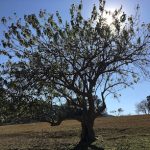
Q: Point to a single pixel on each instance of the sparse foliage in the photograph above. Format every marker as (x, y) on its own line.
(143, 106)
(120, 110)
(78, 59)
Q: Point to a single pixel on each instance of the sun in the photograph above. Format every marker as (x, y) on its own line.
(107, 15)
(108, 18)
(109, 12)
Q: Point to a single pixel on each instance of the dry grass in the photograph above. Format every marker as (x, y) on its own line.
(114, 133)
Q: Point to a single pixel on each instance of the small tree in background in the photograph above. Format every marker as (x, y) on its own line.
(77, 59)
(143, 106)
(148, 103)
(113, 112)
(120, 110)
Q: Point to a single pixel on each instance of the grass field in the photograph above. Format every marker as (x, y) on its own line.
(113, 133)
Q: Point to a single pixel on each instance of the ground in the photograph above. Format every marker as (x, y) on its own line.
(113, 133)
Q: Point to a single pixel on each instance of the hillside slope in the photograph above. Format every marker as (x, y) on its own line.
(131, 132)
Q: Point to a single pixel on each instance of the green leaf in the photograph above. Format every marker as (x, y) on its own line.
(7, 36)
(123, 18)
(139, 40)
(59, 17)
(3, 20)
(55, 37)
(80, 7)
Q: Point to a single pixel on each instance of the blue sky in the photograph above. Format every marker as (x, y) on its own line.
(129, 96)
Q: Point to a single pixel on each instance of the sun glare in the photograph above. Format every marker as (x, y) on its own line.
(108, 15)
(108, 18)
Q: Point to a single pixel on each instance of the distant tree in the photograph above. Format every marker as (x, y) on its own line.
(113, 112)
(148, 103)
(76, 59)
(143, 107)
(120, 110)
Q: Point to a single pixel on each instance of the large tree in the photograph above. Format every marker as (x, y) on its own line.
(76, 60)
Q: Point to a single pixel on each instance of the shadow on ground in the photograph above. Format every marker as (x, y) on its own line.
(87, 147)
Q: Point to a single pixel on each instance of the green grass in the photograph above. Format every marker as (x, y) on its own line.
(116, 133)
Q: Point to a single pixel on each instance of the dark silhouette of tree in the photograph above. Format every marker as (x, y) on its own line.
(143, 106)
(148, 103)
(3, 102)
(113, 112)
(15, 107)
(74, 60)
(120, 110)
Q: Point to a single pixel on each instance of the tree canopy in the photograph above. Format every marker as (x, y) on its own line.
(77, 59)
(143, 106)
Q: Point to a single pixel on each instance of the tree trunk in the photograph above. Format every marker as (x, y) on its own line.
(87, 133)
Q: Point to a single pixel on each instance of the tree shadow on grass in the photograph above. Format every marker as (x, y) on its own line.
(85, 147)
(93, 147)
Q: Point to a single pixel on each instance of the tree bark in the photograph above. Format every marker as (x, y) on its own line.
(87, 133)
